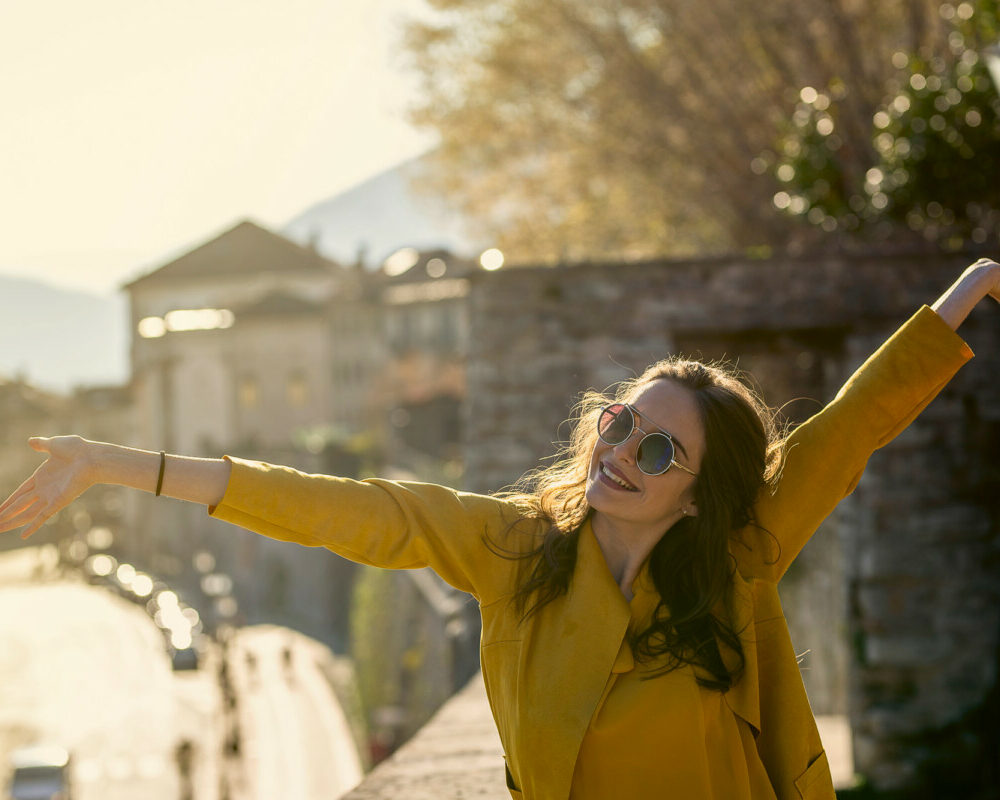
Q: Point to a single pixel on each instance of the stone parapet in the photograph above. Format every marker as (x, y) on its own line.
(457, 754)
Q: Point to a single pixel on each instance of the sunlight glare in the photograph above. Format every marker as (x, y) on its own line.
(491, 259)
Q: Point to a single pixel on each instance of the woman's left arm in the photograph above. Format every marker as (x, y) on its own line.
(826, 455)
(980, 280)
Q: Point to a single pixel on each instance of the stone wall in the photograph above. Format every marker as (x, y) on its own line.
(896, 598)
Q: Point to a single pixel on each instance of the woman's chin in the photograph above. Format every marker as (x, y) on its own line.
(599, 495)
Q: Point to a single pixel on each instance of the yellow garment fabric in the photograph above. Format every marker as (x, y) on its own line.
(572, 719)
(630, 750)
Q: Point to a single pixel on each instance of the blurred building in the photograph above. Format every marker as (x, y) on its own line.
(255, 346)
(424, 306)
(229, 335)
(232, 353)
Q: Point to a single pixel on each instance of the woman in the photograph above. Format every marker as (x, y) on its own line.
(633, 644)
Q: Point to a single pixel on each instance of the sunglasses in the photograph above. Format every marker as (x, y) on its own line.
(655, 453)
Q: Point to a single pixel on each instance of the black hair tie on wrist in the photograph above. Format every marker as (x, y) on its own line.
(159, 478)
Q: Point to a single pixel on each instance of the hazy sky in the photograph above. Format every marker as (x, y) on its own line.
(134, 128)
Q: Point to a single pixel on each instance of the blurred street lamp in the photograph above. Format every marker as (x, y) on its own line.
(217, 584)
(992, 56)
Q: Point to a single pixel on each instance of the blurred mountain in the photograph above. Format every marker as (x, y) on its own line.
(58, 338)
(377, 217)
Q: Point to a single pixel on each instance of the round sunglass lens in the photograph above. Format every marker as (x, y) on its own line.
(615, 424)
(655, 453)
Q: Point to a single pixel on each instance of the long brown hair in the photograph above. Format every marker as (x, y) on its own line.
(691, 568)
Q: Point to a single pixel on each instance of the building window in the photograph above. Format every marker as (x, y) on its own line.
(297, 390)
(249, 393)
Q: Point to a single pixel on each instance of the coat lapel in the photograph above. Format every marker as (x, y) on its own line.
(744, 697)
(578, 639)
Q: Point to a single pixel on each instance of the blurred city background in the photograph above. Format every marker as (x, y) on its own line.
(399, 238)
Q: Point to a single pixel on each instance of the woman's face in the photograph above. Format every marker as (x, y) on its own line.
(617, 489)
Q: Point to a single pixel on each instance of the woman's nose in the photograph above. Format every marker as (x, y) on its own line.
(626, 450)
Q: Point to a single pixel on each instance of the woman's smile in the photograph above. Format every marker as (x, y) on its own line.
(614, 478)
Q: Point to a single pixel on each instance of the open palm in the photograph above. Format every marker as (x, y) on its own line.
(59, 480)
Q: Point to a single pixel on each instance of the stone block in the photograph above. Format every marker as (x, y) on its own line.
(892, 649)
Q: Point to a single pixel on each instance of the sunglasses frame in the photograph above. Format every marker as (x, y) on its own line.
(634, 415)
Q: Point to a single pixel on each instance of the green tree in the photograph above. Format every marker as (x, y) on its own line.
(373, 624)
(630, 128)
(932, 171)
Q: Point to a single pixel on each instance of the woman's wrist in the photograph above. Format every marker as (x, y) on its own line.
(123, 466)
(92, 461)
(197, 480)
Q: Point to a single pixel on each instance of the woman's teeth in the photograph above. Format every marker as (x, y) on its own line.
(611, 476)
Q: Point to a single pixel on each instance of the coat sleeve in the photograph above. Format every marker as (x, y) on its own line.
(824, 458)
(394, 525)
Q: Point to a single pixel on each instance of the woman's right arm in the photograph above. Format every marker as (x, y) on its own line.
(382, 523)
(74, 464)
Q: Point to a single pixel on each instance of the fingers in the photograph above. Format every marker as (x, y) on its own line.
(34, 526)
(24, 507)
(39, 443)
(17, 512)
(18, 494)
(28, 514)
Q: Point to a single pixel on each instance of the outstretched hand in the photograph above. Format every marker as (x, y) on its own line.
(994, 267)
(59, 480)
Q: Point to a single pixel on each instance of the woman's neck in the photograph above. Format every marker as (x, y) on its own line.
(625, 548)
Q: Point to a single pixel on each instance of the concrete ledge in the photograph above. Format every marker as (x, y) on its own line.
(457, 754)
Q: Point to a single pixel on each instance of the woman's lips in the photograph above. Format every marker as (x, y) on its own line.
(613, 478)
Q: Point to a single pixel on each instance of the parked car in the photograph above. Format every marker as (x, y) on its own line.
(40, 772)
(184, 658)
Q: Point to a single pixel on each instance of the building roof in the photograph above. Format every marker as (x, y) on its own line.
(242, 250)
(424, 265)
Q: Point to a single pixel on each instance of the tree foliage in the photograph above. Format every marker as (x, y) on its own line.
(629, 128)
(372, 626)
(934, 166)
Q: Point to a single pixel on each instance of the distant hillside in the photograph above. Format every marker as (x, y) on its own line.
(380, 215)
(58, 338)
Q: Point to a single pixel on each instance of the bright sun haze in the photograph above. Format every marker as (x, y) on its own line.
(134, 127)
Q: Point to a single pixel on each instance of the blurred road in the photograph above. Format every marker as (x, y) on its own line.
(296, 740)
(88, 670)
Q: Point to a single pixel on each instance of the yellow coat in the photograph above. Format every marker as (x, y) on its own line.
(545, 677)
